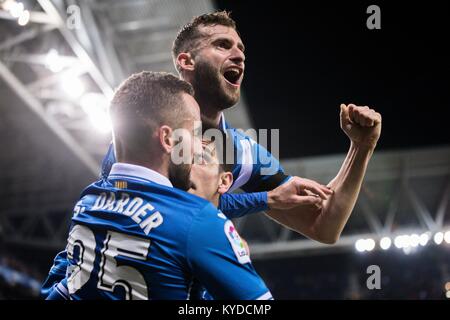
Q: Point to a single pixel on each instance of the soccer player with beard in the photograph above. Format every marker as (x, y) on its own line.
(209, 53)
(134, 235)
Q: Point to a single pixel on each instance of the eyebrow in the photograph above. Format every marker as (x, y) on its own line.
(240, 45)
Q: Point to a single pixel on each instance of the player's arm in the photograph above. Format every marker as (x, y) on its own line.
(220, 261)
(56, 274)
(55, 285)
(235, 205)
(325, 220)
(266, 175)
(60, 291)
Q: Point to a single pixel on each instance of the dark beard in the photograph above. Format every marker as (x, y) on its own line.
(180, 176)
(209, 87)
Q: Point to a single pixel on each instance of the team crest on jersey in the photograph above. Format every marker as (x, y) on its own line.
(236, 243)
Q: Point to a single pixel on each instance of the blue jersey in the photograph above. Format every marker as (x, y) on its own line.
(254, 168)
(255, 171)
(133, 236)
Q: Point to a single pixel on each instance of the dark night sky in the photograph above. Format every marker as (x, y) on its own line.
(304, 59)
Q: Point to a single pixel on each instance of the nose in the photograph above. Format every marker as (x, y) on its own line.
(237, 56)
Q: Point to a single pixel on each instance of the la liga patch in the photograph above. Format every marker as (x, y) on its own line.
(236, 243)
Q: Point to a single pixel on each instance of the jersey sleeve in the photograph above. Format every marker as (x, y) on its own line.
(60, 291)
(267, 172)
(56, 274)
(236, 205)
(55, 285)
(218, 258)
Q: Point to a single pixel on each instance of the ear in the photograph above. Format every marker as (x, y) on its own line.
(185, 62)
(225, 182)
(166, 138)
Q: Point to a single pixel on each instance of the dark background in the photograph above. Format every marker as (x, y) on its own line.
(305, 58)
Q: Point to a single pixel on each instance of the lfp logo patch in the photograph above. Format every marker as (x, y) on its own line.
(236, 243)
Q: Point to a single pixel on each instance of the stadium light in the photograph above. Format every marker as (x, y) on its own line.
(96, 105)
(360, 245)
(408, 243)
(438, 238)
(53, 61)
(385, 243)
(447, 237)
(424, 238)
(414, 240)
(16, 9)
(24, 18)
(365, 245)
(370, 244)
(402, 241)
(72, 85)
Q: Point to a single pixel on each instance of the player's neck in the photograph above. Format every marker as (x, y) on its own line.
(210, 113)
(157, 166)
(215, 200)
(210, 118)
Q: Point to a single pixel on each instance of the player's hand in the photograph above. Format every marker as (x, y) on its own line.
(361, 124)
(298, 192)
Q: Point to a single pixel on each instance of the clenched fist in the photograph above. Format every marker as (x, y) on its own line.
(361, 124)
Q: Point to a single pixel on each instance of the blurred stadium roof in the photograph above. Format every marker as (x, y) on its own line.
(55, 85)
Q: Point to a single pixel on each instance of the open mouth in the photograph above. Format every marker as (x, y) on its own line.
(233, 75)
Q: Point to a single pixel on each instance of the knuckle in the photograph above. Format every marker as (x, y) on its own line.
(296, 181)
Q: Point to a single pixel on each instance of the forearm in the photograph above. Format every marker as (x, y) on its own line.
(325, 222)
(346, 185)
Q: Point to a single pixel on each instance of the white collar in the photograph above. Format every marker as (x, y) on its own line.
(128, 170)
